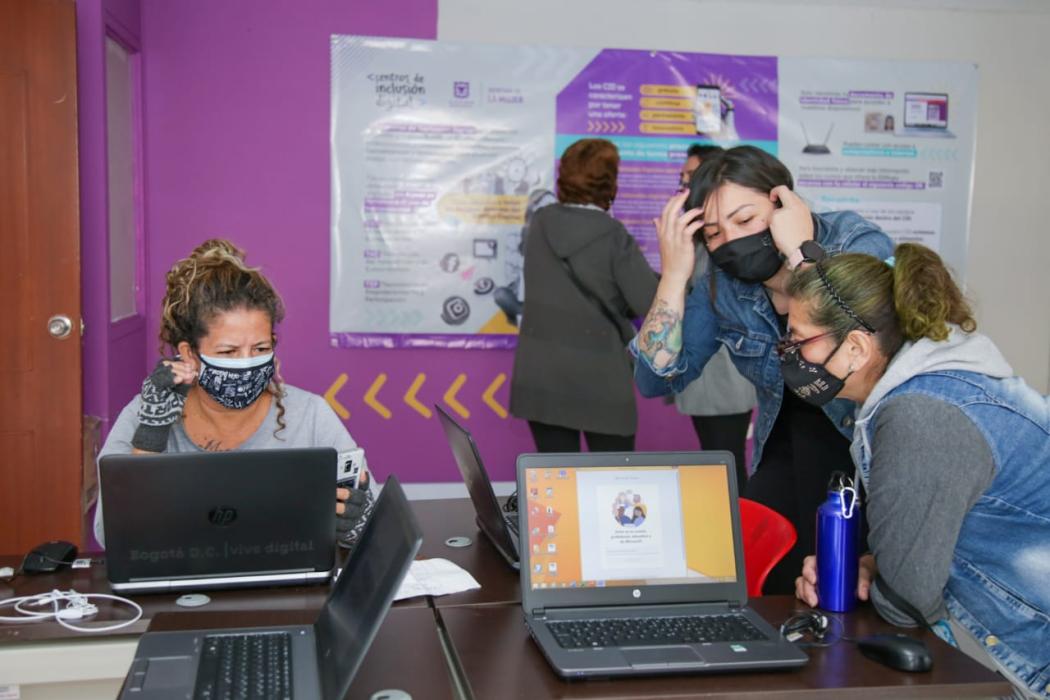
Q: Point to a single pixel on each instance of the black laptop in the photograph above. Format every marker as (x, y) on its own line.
(312, 661)
(499, 527)
(632, 564)
(218, 519)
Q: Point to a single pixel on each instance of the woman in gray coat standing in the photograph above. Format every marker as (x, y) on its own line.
(585, 278)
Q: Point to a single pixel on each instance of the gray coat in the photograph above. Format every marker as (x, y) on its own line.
(571, 367)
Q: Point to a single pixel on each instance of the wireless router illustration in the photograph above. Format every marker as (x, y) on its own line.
(817, 149)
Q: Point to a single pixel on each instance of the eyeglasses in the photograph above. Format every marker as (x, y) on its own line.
(786, 346)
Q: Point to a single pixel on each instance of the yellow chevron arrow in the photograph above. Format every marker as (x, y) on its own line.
(411, 400)
(370, 396)
(450, 397)
(489, 397)
(329, 396)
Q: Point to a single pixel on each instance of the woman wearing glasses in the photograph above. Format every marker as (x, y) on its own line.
(954, 451)
(756, 230)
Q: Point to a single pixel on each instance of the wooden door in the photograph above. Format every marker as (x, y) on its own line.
(40, 375)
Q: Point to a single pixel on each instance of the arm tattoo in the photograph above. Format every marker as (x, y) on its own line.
(660, 338)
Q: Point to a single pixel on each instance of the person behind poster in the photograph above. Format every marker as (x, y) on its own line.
(742, 205)
(954, 450)
(586, 277)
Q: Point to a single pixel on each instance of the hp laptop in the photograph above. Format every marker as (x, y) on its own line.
(926, 114)
(218, 519)
(313, 661)
(500, 528)
(632, 564)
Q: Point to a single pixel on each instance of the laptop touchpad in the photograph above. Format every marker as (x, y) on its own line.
(169, 672)
(662, 657)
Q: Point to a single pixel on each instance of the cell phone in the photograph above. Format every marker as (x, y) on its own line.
(352, 469)
(707, 109)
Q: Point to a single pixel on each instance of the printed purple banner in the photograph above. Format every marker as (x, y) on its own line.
(393, 341)
(862, 184)
(653, 93)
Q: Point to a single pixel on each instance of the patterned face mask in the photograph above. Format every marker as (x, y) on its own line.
(236, 383)
(812, 382)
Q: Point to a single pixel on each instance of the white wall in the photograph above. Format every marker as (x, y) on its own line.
(1008, 275)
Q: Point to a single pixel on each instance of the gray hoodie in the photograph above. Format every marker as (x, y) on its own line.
(929, 464)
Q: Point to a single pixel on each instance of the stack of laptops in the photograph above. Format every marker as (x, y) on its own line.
(219, 519)
(312, 661)
(632, 564)
(500, 528)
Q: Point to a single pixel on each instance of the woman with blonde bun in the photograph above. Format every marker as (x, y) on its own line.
(953, 450)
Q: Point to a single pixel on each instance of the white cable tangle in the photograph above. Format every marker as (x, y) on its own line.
(78, 606)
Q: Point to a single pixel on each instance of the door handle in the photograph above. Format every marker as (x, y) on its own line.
(59, 326)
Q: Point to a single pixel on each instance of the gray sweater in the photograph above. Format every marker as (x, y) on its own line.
(309, 422)
(720, 390)
(929, 465)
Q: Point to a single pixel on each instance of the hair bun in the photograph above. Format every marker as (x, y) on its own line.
(217, 247)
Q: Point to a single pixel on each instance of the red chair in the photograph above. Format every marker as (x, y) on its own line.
(768, 536)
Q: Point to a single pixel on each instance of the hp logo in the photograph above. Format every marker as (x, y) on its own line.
(222, 516)
(636, 593)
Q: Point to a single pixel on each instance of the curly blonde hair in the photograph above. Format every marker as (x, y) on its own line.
(214, 279)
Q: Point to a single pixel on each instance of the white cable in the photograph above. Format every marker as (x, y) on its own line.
(78, 606)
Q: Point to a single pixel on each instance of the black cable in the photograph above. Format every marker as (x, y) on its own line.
(511, 504)
(813, 628)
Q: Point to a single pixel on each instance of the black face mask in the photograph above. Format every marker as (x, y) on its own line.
(751, 259)
(811, 382)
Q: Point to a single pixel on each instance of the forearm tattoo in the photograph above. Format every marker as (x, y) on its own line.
(660, 339)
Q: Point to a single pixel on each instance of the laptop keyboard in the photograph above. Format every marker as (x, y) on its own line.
(654, 631)
(245, 666)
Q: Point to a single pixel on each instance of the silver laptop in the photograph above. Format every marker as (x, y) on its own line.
(312, 661)
(926, 114)
(632, 565)
(499, 527)
(218, 519)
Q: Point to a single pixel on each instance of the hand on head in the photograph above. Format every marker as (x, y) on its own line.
(675, 230)
(791, 223)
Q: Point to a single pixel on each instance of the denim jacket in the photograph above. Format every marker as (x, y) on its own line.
(744, 321)
(999, 584)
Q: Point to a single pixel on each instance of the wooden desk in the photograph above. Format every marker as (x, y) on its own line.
(500, 660)
(441, 519)
(388, 658)
(497, 657)
(50, 661)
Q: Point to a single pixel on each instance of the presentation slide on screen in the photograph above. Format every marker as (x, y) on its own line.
(629, 526)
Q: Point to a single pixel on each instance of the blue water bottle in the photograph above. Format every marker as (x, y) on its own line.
(838, 539)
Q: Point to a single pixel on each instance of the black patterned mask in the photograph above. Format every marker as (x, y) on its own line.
(236, 383)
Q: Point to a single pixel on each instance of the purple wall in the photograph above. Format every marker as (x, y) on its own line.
(113, 353)
(237, 145)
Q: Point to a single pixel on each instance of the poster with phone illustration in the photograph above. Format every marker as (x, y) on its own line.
(441, 151)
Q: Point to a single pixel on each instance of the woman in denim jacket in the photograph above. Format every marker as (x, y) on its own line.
(756, 230)
(953, 449)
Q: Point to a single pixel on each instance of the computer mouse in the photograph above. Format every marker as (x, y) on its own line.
(897, 651)
(48, 557)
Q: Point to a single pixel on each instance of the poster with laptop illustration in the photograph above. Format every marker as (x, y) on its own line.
(892, 140)
(441, 152)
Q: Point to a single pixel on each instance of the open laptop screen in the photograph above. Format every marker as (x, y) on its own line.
(926, 110)
(628, 526)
